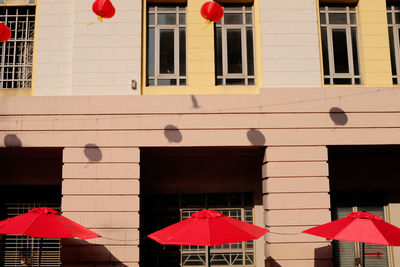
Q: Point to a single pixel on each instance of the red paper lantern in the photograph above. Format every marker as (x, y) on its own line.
(103, 9)
(5, 33)
(212, 11)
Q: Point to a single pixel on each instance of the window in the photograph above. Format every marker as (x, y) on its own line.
(347, 253)
(393, 16)
(339, 45)
(234, 47)
(16, 55)
(166, 45)
(160, 211)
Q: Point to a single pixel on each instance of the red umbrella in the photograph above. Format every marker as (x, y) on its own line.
(44, 223)
(208, 228)
(359, 227)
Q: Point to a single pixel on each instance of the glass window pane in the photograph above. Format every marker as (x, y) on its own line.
(327, 81)
(166, 19)
(151, 19)
(340, 51)
(251, 82)
(337, 18)
(397, 18)
(166, 82)
(322, 18)
(234, 50)
(233, 18)
(325, 56)
(166, 8)
(342, 81)
(150, 82)
(394, 80)
(355, 50)
(167, 52)
(249, 18)
(357, 81)
(182, 51)
(392, 51)
(389, 18)
(182, 82)
(218, 51)
(250, 52)
(235, 81)
(182, 19)
(353, 19)
(150, 53)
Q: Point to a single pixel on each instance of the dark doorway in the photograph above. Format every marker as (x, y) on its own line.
(176, 182)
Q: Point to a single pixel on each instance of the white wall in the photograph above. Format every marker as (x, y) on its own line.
(106, 55)
(54, 47)
(290, 43)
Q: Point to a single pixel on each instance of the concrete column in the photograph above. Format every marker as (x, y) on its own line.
(101, 191)
(296, 197)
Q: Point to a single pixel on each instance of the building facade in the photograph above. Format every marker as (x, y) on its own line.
(285, 114)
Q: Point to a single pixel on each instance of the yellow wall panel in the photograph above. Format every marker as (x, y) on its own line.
(374, 43)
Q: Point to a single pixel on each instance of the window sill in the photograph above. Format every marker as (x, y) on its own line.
(200, 90)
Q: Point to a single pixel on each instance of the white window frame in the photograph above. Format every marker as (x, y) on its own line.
(329, 79)
(154, 80)
(248, 79)
(21, 65)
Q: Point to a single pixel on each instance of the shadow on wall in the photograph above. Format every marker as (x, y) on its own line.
(338, 116)
(173, 134)
(194, 102)
(11, 140)
(93, 152)
(77, 251)
(323, 256)
(270, 262)
(256, 137)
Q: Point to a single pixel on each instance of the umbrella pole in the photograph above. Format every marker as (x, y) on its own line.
(363, 254)
(40, 251)
(208, 256)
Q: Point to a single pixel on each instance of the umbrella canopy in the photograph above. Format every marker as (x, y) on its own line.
(208, 228)
(44, 223)
(359, 227)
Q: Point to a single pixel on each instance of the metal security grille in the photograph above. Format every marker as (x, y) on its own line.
(23, 251)
(339, 45)
(234, 47)
(241, 253)
(159, 211)
(166, 45)
(393, 16)
(16, 55)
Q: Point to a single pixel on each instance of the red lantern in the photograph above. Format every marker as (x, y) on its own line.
(212, 11)
(103, 9)
(5, 33)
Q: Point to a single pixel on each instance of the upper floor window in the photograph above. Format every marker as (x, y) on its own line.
(393, 16)
(339, 45)
(234, 47)
(16, 55)
(166, 45)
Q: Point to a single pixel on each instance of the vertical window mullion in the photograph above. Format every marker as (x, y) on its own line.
(224, 55)
(332, 71)
(396, 40)
(350, 53)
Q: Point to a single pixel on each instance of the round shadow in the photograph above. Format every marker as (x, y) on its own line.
(93, 152)
(11, 140)
(338, 116)
(256, 137)
(172, 133)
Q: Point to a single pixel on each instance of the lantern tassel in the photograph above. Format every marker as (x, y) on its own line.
(207, 22)
(100, 18)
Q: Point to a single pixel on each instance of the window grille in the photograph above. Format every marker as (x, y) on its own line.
(16, 55)
(339, 45)
(345, 253)
(166, 45)
(21, 250)
(393, 17)
(234, 47)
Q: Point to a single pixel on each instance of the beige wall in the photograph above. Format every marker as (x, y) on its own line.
(100, 190)
(290, 43)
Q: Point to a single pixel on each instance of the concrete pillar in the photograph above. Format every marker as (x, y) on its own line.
(296, 197)
(101, 191)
